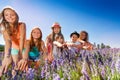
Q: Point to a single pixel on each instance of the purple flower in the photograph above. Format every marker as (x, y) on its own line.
(43, 72)
(56, 77)
(84, 70)
(30, 74)
(117, 65)
(103, 72)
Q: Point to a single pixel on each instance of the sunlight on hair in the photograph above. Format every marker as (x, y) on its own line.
(35, 27)
(8, 6)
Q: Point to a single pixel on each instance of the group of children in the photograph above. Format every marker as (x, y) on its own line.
(22, 53)
(77, 42)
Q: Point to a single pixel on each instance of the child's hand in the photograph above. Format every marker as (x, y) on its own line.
(23, 65)
(81, 41)
(57, 43)
(85, 47)
(5, 64)
(65, 45)
(69, 44)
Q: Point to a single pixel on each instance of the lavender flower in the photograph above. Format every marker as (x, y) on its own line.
(85, 70)
(56, 77)
(117, 65)
(43, 72)
(30, 74)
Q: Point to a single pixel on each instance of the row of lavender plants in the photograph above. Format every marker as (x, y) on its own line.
(99, 64)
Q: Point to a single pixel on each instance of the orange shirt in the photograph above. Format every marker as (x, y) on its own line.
(16, 38)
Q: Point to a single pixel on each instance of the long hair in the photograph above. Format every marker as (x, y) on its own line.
(32, 43)
(86, 34)
(53, 34)
(6, 24)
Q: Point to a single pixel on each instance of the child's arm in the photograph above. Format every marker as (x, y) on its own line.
(44, 55)
(23, 63)
(69, 44)
(7, 40)
(7, 55)
(87, 46)
(57, 43)
(22, 36)
(81, 41)
(27, 50)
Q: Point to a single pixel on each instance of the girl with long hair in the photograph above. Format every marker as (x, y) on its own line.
(14, 34)
(84, 39)
(56, 30)
(35, 48)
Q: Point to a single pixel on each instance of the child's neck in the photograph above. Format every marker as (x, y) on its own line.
(36, 42)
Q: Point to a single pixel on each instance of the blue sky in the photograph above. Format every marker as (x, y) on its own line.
(100, 18)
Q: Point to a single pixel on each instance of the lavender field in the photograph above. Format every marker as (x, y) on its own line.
(100, 64)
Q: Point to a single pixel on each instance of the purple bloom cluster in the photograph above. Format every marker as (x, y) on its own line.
(84, 65)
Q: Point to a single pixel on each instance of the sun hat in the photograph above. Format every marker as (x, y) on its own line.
(56, 24)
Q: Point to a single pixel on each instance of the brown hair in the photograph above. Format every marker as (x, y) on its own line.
(5, 23)
(32, 43)
(53, 34)
(86, 38)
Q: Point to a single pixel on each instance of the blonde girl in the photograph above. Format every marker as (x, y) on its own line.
(14, 34)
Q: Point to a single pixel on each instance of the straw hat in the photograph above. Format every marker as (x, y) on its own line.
(56, 24)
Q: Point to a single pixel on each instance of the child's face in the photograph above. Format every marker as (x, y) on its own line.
(60, 39)
(83, 36)
(56, 30)
(10, 16)
(74, 38)
(36, 34)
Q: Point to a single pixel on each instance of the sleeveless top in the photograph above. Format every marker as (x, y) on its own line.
(34, 53)
(15, 38)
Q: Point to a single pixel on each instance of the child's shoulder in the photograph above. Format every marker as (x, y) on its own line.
(42, 42)
(27, 41)
(49, 36)
(21, 23)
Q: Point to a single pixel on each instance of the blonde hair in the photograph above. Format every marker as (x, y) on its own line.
(5, 23)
